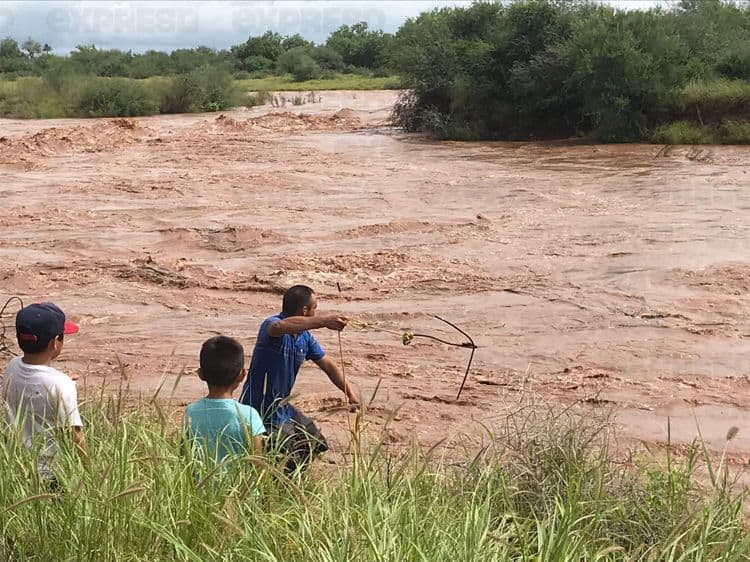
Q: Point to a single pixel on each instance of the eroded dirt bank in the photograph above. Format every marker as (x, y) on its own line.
(608, 276)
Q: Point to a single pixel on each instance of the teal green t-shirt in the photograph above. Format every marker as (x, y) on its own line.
(222, 425)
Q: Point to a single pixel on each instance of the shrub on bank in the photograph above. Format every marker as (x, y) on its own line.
(300, 64)
(690, 132)
(203, 89)
(682, 132)
(116, 97)
(32, 98)
(712, 100)
(55, 95)
(735, 132)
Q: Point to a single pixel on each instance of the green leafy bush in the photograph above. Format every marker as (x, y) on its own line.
(735, 132)
(260, 97)
(714, 99)
(327, 58)
(257, 63)
(360, 46)
(32, 98)
(299, 64)
(682, 132)
(116, 97)
(204, 89)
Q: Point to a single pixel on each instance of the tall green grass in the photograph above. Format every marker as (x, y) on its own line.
(544, 489)
(690, 132)
(707, 112)
(30, 98)
(53, 95)
(716, 99)
(683, 132)
(735, 132)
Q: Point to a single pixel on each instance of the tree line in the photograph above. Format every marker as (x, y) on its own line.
(352, 48)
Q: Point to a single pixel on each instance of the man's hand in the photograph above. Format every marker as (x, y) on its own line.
(334, 372)
(353, 397)
(355, 406)
(335, 322)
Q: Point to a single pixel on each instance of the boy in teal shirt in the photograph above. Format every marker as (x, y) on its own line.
(218, 422)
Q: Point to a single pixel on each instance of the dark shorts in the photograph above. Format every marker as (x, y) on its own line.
(52, 484)
(297, 440)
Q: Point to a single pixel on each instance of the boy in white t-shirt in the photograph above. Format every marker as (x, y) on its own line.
(40, 401)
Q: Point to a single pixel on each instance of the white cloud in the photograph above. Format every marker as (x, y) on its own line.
(167, 24)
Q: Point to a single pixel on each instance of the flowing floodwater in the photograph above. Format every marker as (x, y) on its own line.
(612, 277)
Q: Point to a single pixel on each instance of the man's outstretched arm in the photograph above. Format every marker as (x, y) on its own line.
(297, 324)
(334, 373)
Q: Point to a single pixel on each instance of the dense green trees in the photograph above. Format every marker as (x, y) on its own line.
(546, 68)
(13, 61)
(258, 53)
(299, 64)
(348, 48)
(360, 46)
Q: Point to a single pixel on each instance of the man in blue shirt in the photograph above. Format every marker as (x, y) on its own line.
(284, 343)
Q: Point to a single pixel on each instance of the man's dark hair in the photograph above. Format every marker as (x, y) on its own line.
(222, 359)
(296, 298)
(33, 347)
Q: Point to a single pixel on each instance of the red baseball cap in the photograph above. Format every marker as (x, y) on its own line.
(41, 322)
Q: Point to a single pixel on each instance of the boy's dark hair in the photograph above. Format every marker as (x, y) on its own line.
(295, 298)
(32, 347)
(221, 360)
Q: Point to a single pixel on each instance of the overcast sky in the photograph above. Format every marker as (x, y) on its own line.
(167, 25)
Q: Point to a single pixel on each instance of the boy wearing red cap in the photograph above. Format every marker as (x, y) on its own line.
(39, 399)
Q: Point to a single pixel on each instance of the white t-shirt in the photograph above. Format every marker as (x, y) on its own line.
(39, 399)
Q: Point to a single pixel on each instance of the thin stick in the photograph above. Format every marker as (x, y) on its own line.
(408, 336)
(343, 372)
(4, 347)
(359, 324)
(452, 325)
(352, 430)
(341, 353)
(466, 374)
(469, 345)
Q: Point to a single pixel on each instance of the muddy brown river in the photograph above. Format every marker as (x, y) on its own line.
(613, 278)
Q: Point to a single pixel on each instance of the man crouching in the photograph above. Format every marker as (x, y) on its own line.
(284, 343)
